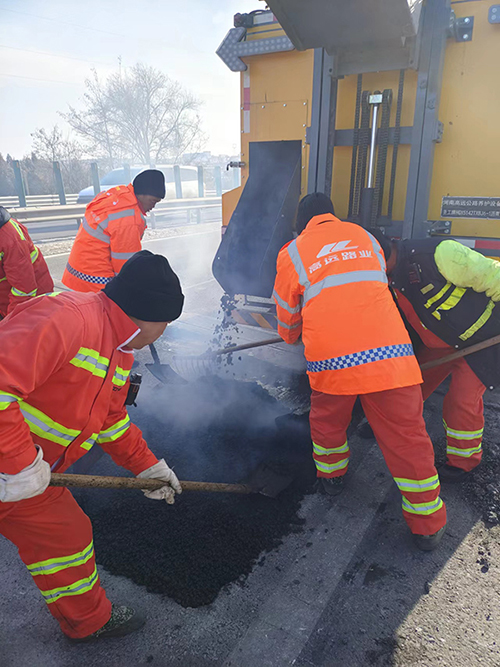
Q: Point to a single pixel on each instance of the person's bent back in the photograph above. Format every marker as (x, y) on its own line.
(112, 231)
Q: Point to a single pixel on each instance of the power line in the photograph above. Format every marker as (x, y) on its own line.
(54, 55)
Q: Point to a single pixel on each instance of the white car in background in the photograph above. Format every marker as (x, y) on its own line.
(189, 181)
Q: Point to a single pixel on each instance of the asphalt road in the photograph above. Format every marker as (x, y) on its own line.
(347, 590)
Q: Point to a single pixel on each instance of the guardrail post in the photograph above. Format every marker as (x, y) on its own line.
(177, 181)
(236, 178)
(59, 182)
(127, 173)
(201, 184)
(20, 189)
(218, 181)
(96, 183)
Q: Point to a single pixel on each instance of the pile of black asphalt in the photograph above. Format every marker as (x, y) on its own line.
(211, 430)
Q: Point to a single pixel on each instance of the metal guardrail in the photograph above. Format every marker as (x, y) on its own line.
(36, 200)
(47, 214)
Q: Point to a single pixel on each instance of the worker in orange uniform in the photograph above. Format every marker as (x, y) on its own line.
(331, 289)
(23, 270)
(65, 360)
(449, 295)
(112, 231)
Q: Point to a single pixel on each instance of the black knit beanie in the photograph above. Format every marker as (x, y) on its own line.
(147, 288)
(150, 182)
(316, 203)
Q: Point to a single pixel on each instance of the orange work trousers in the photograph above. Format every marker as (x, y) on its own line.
(397, 422)
(463, 414)
(54, 539)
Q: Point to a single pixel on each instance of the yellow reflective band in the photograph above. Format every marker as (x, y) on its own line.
(422, 508)
(331, 467)
(17, 292)
(464, 453)
(78, 588)
(450, 302)
(114, 432)
(323, 451)
(427, 288)
(437, 296)
(2, 279)
(91, 360)
(53, 565)
(120, 376)
(7, 399)
(18, 229)
(463, 435)
(34, 255)
(479, 323)
(42, 425)
(417, 485)
(88, 444)
(1, 255)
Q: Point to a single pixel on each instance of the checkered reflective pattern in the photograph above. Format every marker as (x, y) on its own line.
(89, 279)
(360, 358)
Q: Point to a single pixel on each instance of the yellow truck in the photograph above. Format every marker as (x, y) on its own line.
(389, 106)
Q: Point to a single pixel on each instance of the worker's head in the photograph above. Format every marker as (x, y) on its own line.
(389, 248)
(149, 188)
(311, 205)
(149, 292)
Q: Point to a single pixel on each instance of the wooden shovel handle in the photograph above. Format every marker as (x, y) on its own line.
(100, 482)
(461, 353)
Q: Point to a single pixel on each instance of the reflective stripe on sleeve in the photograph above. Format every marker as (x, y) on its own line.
(114, 432)
(18, 292)
(91, 361)
(324, 451)
(120, 376)
(52, 565)
(18, 229)
(288, 326)
(283, 304)
(77, 588)
(42, 425)
(34, 255)
(331, 467)
(96, 233)
(122, 255)
(417, 485)
(360, 358)
(7, 399)
(423, 509)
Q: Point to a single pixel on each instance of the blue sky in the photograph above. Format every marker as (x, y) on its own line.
(47, 49)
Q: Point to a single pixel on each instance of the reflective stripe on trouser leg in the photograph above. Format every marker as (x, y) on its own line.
(463, 417)
(396, 418)
(329, 418)
(54, 538)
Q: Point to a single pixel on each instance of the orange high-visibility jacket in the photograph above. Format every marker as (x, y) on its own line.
(331, 287)
(111, 232)
(23, 270)
(64, 374)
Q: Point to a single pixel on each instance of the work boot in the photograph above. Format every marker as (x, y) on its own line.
(332, 485)
(429, 542)
(123, 621)
(448, 473)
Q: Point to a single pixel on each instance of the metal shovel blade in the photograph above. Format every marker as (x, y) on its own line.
(267, 481)
(164, 373)
(193, 368)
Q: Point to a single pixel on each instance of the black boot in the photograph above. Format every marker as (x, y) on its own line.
(448, 473)
(429, 542)
(123, 621)
(332, 485)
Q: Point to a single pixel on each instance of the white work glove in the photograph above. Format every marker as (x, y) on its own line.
(30, 482)
(161, 471)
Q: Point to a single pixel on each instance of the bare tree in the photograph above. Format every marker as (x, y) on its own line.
(94, 123)
(51, 145)
(139, 113)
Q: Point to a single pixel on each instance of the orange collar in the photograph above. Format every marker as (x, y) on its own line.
(319, 219)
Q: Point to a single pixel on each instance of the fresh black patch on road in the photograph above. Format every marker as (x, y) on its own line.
(212, 430)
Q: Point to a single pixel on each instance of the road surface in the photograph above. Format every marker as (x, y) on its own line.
(347, 589)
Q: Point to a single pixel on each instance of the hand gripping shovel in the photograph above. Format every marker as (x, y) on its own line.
(263, 480)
